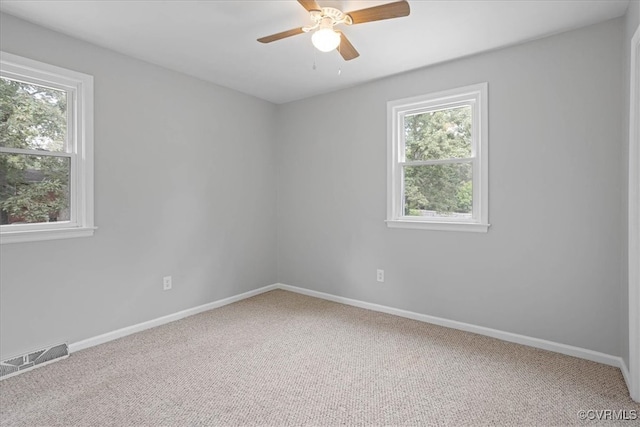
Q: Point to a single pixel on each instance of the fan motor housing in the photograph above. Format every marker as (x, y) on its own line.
(336, 16)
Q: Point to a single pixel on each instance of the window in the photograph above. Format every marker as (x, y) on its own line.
(437, 161)
(46, 151)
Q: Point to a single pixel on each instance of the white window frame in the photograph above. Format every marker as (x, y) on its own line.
(474, 96)
(79, 89)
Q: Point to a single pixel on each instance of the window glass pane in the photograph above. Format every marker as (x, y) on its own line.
(438, 190)
(436, 135)
(34, 189)
(33, 117)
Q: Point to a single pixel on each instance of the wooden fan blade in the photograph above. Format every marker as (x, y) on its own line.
(346, 49)
(378, 13)
(282, 35)
(309, 5)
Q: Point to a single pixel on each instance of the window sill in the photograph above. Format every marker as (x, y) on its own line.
(442, 226)
(40, 235)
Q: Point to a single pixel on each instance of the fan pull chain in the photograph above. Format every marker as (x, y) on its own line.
(314, 59)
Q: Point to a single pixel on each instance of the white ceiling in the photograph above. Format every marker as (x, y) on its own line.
(216, 40)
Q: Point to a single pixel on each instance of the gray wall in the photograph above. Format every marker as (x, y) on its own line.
(167, 147)
(632, 20)
(550, 265)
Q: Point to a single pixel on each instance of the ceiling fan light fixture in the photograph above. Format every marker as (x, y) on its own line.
(324, 19)
(325, 39)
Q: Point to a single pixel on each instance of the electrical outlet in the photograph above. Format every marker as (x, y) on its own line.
(380, 275)
(166, 283)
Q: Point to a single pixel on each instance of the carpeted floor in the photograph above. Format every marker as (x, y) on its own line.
(285, 359)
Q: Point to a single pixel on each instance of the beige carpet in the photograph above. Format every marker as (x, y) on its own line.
(285, 359)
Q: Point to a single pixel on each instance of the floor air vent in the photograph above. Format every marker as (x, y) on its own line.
(16, 365)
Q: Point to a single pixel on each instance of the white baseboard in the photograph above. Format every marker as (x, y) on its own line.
(110, 336)
(569, 350)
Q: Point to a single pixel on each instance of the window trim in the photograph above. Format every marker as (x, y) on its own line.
(475, 95)
(79, 87)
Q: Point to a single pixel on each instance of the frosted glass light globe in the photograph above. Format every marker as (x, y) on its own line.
(325, 39)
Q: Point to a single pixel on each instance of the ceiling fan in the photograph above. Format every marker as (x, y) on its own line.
(324, 19)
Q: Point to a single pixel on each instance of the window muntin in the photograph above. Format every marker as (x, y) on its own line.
(437, 171)
(46, 151)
